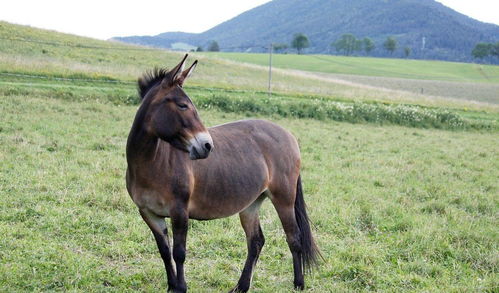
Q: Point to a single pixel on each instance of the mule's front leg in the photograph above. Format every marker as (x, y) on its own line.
(160, 232)
(179, 217)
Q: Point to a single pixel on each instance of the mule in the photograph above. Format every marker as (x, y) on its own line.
(180, 170)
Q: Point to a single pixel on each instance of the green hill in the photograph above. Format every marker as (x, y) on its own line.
(448, 35)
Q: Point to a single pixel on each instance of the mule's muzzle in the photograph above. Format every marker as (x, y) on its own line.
(200, 146)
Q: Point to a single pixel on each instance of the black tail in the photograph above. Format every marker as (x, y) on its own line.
(310, 251)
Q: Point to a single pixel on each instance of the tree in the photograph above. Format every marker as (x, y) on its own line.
(279, 47)
(347, 43)
(494, 51)
(213, 47)
(300, 42)
(390, 45)
(368, 45)
(481, 50)
(199, 49)
(358, 45)
(407, 51)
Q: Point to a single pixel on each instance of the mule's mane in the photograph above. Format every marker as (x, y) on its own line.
(150, 79)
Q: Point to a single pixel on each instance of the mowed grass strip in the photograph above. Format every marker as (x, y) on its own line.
(394, 208)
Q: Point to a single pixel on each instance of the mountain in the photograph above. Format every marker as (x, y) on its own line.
(446, 34)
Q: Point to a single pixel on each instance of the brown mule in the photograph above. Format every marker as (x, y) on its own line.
(240, 164)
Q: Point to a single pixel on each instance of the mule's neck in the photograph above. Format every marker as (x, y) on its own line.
(141, 144)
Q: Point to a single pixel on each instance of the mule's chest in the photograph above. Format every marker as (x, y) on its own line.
(150, 199)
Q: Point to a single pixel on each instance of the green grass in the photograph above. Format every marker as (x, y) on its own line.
(414, 81)
(394, 208)
(259, 103)
(413, 69)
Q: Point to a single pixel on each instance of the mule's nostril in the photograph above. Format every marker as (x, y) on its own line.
(207, 146)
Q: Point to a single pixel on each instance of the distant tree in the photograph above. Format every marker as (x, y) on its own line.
(482, 50)
(279, 47)
(213, 47)
(407, 51)
(494, 51)
(199, 49)
(358, 45)
(348, 43)
(368, 45)
(300, 42)
(390, 45)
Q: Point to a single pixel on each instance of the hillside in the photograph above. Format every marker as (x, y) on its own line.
(448, 34)
(52, 55)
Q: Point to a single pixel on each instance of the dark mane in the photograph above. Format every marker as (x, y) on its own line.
(150, 79)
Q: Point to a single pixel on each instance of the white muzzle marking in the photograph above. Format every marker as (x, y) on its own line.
(200, 146)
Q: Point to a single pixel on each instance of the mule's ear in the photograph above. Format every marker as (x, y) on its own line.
(175, 73)
(186, 73)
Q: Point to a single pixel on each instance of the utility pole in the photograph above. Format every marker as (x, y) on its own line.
(423, 46)
(270, 69)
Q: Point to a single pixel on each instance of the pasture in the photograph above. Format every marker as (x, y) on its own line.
(414, 78)
(411, 69)
(394, 208)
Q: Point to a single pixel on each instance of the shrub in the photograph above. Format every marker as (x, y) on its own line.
(406, 115)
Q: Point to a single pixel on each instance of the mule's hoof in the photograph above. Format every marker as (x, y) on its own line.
(238, 290)
(299, 286)
(176, 289)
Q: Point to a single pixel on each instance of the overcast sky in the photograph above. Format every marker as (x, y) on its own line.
(104, 19)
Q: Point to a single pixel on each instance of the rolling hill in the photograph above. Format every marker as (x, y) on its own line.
(48, 54)
(448, 35)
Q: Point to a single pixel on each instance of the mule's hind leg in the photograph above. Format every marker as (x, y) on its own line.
(255, 240)
(290, 205)
(283, 199)
(287, 217)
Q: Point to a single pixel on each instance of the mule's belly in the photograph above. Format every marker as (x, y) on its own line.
(222, 206)
(222, 190)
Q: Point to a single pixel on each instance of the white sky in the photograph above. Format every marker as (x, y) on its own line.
(104, 19)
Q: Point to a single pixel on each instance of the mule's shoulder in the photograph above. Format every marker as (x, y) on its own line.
(247, 124)
(261, 131)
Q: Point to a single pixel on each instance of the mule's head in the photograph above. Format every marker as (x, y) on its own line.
(170, 114)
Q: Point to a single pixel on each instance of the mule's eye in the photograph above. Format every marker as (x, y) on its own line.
(182, 107)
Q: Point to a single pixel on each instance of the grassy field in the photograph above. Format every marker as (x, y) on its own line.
(394, 208)
(414, 78)
(412, 69)
(467, 91)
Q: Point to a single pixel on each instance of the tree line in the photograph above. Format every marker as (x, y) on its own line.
(346, 44)
(483, 50)
(349, 44)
